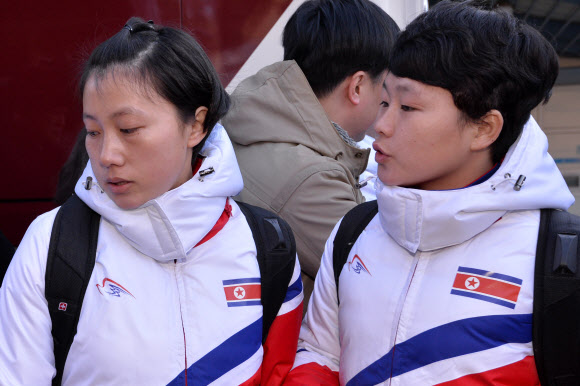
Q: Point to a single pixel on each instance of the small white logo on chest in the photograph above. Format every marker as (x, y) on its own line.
(357, 265)
(109, 287)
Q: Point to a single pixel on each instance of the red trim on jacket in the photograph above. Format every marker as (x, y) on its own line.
(519, 373)
(221, 222)
(225, 216)
(280, 346)
(312, 374)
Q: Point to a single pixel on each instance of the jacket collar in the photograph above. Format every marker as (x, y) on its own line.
(169, 226)
(428, 220)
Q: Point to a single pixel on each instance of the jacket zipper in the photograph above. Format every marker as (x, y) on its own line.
(182, 326)
(400, 307)
(227, 213)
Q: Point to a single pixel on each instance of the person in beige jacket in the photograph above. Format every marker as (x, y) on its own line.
(295, 123)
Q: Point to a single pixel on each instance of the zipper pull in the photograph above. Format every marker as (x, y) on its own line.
(228, 208)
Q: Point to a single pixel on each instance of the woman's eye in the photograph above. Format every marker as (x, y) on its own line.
(129, 131)
(407, 108)
(384, 104)
(92, 133)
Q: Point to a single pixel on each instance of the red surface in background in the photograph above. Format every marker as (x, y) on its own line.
(44, 46)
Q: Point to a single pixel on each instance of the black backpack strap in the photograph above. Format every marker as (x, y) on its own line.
(6, 253)
(556, 320)
(276, 254)
(71, 258)
(352, 225)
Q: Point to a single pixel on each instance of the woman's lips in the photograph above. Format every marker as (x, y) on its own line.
(380, 156)
(118, 185)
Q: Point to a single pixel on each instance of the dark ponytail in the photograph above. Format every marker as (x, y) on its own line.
(170, 61)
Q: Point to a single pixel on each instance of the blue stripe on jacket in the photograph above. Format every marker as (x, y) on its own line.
(450, 340)
(234, 351)
(294, 290)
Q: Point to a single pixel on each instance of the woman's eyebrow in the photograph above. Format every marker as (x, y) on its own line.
(407, 89)
(118, 113)
(126, 111)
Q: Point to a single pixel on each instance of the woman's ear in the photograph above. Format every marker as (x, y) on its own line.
(197, 131)
(487, 129)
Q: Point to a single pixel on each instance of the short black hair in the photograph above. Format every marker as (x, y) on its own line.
(487, 58)
(332, 39)
(170, 61)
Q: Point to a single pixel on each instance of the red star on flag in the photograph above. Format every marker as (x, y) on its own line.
(240, 292)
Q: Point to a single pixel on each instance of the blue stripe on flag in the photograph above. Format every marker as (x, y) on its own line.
(480, 296)
(490, 274)
(450, 340)
(244, 303)
(242, 281)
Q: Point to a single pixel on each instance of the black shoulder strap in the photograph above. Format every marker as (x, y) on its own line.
(276, 253)
(352, 225)
(71, 258)
(6, 253)
(556, 319)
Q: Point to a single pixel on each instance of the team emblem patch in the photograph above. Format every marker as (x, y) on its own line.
(357, 265)
(243, 292)
(112, 288)
(488, 286)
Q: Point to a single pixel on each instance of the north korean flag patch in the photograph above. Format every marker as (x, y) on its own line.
(243, 292)
(488, 286)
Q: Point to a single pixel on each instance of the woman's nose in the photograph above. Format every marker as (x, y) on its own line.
(385, 123)
(111, 151)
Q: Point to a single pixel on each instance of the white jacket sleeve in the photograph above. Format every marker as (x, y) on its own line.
(26, 347)
(319, 334)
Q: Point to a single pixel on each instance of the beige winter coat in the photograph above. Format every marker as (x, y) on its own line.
(293, 161)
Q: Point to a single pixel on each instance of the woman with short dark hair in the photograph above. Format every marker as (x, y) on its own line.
(438, 288)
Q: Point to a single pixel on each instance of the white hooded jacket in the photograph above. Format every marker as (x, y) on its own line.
(438, 288)
(158, 307)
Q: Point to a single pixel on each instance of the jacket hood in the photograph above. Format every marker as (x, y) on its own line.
(428, 220)
(169, 226)
(280, 98)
